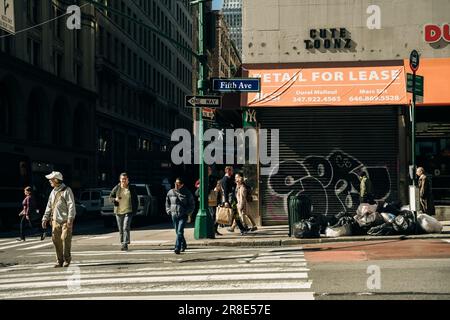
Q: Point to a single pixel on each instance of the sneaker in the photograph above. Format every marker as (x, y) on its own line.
(58, 265)
(243, 233)
(230, 230)
(66, 264)
(176, 251)
(20, 239)
(183, 249)
(124, 247)
(43, 235)
(254, 229)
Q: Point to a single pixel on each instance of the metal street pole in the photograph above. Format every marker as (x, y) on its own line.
(413, 131)
(203, 223)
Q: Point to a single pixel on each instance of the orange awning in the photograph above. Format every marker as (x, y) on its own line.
(340, 86)
(436, 73)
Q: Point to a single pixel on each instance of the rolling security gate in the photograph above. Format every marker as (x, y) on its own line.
(322, 149)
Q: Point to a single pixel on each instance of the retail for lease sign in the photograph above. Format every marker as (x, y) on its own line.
(378, 85)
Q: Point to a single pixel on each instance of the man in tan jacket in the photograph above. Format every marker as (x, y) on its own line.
(242, 205)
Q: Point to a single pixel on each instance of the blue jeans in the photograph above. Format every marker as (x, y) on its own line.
(124, 224)
(179, 224)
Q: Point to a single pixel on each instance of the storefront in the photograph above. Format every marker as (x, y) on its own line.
(336, 120)
(433, 126)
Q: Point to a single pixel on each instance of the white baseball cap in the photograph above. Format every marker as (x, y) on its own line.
(55, 175)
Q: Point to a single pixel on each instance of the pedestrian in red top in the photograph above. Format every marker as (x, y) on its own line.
(28, 214)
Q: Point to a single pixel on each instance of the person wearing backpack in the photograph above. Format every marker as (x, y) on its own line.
(60, 212)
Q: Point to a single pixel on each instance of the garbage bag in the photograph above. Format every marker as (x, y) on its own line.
(388, 217)
(339, 231)
(364, 208)
(307, 229)
(391, 207)
(404, 223)
(343, 221)
(429, 224)
(386, 229)
(367, 217)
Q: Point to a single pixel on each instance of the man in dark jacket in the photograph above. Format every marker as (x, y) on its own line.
(426, 200)
(125, 199)
(180, 205)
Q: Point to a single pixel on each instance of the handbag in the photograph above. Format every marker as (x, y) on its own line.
(212, 199)
(224, 215)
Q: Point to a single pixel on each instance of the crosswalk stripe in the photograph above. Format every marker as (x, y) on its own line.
(221, 296)
(231, 287)
(250, 274)
(39, 246)
(223, 271)
(4, 240)
(6, 275)
(278, 260)
(20, 244)
(138, 280)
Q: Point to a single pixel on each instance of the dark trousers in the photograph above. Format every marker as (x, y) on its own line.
(27, 228)
(24, 223)
(212, 212)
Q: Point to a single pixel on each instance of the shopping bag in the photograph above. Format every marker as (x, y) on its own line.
(224, 215)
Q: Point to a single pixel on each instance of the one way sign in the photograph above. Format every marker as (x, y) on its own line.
(203, 101)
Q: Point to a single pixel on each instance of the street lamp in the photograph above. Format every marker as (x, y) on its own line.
(203, 223)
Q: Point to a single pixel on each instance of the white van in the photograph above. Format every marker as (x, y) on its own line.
(148, 205)
(91, 199)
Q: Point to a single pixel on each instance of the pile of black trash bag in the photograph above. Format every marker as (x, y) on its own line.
(377, 219)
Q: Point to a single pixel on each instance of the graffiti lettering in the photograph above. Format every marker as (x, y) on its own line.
(330, 182)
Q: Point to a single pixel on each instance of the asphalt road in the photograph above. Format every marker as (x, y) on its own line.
(409, 269)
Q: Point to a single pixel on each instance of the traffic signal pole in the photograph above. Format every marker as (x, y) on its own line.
(203, 222)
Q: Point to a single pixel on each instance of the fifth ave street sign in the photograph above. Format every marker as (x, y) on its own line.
(237, 85)
(203, 101)
(7, 15)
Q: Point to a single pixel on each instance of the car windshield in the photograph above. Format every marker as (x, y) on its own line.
(141, 191)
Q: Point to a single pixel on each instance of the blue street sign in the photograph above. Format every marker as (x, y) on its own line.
(237, 85)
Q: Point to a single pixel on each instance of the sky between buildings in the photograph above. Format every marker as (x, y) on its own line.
(217, 4)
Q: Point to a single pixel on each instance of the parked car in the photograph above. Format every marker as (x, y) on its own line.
(81, 211)
(148, 206)
(92, 200)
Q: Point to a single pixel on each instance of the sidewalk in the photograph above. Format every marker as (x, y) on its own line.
(164, 235)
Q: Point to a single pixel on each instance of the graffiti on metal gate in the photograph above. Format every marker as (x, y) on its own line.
(330, 182)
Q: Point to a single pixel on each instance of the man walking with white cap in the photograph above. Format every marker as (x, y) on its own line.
(60, 212)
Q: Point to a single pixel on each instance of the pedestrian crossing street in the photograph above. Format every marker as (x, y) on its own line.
(158, 274)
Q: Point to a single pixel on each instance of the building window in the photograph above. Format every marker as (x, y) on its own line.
(58, 64)
(34, 52)
(33, 11)
(78, 74)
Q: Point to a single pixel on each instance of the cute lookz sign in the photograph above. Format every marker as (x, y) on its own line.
(345, 86)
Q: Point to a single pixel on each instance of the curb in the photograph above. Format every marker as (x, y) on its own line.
(292, 242)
